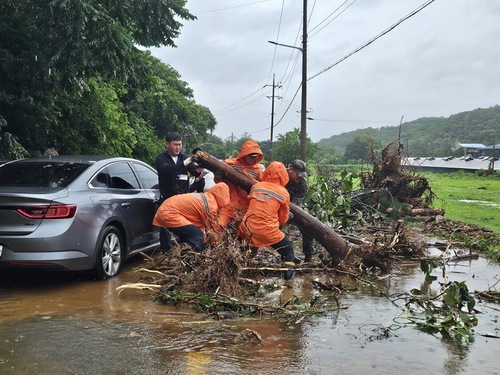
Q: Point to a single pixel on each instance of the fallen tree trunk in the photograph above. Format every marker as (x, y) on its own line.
(334, 244)
(427, 211)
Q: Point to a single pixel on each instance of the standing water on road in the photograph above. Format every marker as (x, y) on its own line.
(62, 324)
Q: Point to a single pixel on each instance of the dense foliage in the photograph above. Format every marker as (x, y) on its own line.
(287, 147)
(74, 78)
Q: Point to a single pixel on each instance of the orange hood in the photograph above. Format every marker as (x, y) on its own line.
(250, 147)
(220, 192)
(276, 172)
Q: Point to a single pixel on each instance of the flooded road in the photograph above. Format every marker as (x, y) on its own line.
(66, 324)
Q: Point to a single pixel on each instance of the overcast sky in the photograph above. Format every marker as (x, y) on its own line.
(443, 60)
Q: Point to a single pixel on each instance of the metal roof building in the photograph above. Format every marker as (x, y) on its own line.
(448, 164)
(478, 149)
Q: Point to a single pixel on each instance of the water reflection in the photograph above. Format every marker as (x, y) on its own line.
(67, 324)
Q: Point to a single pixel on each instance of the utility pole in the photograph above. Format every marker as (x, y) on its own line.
(272, 122)
(303, 106)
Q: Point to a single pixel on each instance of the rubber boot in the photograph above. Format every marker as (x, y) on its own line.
(290, 273)
(307, 257)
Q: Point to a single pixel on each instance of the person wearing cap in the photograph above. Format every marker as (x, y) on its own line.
(193, 217)
(269, 207)
(246, 162)
(171, 166)
(297, 188)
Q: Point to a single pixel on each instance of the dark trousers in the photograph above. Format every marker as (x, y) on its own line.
(285, 249)
(165, 240)
(307, 242)
(192, 235)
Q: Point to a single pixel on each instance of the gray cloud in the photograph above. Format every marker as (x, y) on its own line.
(442, 61)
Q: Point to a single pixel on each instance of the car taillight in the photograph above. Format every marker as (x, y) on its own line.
(63, 211)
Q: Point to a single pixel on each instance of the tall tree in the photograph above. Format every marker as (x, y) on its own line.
(160, 98)
(359, 149)
(287, 147)
(65, 65)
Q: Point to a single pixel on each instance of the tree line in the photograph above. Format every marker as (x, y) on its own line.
(429, 136)
(73, 77)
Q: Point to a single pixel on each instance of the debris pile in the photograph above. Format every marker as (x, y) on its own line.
(232, 276)
(388, 180)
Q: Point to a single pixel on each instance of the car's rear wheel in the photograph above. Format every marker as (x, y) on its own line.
(109, 258)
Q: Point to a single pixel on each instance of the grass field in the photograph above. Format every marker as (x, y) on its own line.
(468, 198)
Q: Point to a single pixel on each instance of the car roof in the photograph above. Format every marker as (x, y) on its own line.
(73, 158)
(80, 166)
(84, 159)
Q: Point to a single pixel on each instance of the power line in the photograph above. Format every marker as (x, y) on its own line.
(289, 105)
(331, 14)
(290, 67)
(223, 110)
(374, 38)
(353, 121)
(277, 38)
(234, 6)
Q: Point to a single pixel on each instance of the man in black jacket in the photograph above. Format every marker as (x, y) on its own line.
(172, 177)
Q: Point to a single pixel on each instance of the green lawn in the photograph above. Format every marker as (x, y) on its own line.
(468, 198)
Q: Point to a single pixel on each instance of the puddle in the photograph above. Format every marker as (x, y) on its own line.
(60, 324)
(482, 203)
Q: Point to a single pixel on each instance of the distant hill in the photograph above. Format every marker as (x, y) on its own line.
(436, 136)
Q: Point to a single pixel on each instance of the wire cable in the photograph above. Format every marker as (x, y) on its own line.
(373, 39)
(234, 6)
(224, 111)
(333, 19)
(331, 14)
(277, 38)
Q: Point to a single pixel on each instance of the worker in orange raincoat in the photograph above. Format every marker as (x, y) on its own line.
(190, 215)
(247, 163)
(269, 208)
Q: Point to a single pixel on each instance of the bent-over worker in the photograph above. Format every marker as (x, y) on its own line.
(194, 216)
(268, 209)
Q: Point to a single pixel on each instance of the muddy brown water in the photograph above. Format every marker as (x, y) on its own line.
(66, 324)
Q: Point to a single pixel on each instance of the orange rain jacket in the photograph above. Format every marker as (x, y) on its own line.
(199, 209)
(239, 200)
(268, 209)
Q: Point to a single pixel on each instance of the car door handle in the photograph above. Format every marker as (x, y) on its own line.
(125, 204)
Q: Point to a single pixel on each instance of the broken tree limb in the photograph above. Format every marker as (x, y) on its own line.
(227, 172)
(427, 211)
(327, 237)
(334, 244)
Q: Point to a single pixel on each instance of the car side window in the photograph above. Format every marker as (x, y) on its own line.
(122, 176)
(101, 180)
(148, 178)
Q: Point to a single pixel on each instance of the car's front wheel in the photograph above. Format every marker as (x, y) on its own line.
(109, 257)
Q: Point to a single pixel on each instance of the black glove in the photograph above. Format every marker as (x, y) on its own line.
(191, 168)
(219, 174)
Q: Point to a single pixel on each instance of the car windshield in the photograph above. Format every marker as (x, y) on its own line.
(50, 174)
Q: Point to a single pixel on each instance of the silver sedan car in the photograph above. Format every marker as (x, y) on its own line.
(76, 212)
